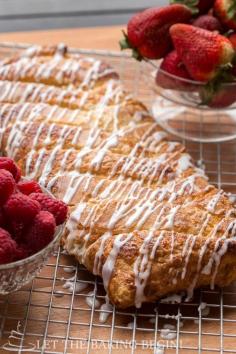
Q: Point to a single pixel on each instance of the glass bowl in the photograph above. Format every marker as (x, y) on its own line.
(180, 109)
(15, 275)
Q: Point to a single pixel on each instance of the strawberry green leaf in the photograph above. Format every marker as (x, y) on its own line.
(125, 44)
(231, 12)
(228, 33)
(234, 60)
(191, 4)
(223, 76)
(136, 55)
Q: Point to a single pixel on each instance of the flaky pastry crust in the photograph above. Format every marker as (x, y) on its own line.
(143, 216)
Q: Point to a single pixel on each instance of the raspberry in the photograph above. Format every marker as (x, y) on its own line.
(21, 208)
(7, 247)
(22, 252)
(17, 230)
(8, 164)
(1, 219)
(41, 232)
(28, 187)
(7, 185)
(56, 207)
(18, 174)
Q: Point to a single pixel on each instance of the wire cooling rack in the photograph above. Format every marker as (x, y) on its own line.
(60, 311)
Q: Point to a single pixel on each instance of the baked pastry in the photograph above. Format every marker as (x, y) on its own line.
(143, 217)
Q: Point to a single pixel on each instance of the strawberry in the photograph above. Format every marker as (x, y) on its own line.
(220, 92)
(208, 22)
(148, 31)
(172, 66)
(225, 10)
(232, 38)
(203, 52)
(224, 97)
(205, 5)
(197, 6)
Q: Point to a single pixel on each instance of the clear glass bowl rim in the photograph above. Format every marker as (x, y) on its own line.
(180, 79)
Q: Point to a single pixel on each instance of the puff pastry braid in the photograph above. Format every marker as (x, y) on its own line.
(143, 217)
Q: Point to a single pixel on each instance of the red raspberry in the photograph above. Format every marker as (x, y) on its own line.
(18, 175)
(7, 185)
(22, 252)
(41, 232)
(17, 230)
(28, 187)
(21, 208)
(8, 164)
(56, 207)
(1, 219)
(7, 247)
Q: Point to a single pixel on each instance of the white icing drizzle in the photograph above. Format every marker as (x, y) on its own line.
(232, 198)
(171, 217)
(73, 286)
(172, 299)
(91, 300)
(70, 269)
(184, 163)
(99, 253)
(109, 265)
(213, 202)
(73, 231)
(136, 200)
(75, 181)
(142, 265)
(206, 311)
(188, 255)
(58, 293)
(47, 69)
(105, 311)
(131, 325)
(168, 332)
(159, 350)
(216, 255)
(111, 142)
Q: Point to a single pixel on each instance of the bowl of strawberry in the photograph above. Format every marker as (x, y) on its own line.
(189, 50)
(31, 224)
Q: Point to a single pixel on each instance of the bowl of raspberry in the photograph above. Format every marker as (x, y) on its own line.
(188, 49)
(31, 224)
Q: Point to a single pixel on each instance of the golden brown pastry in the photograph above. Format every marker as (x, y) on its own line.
(143, 217)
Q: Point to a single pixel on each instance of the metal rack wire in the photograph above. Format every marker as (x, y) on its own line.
(53, 319)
